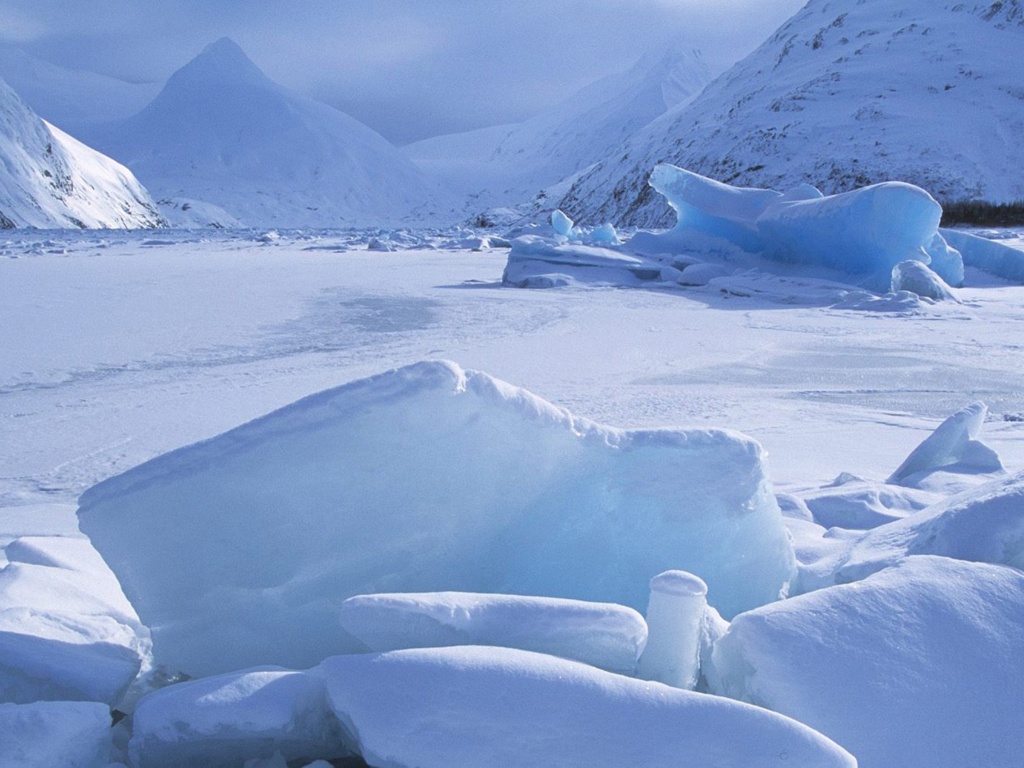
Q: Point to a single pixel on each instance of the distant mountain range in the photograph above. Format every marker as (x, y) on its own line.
(222, 132)
(504, 165)
(846, 93)
(51, 181)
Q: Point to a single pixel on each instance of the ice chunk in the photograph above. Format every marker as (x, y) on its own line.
(532, 257)
(919, 665)
(987, 255)
(561, 223)
(861, 505)
(48, 734)
(985, 524)
(224, 720)
(954, 445)
(604, 235)
(475, 706)
(604, 635)
(675, 618)
(423, 479)
(915, 277)
(67, 632)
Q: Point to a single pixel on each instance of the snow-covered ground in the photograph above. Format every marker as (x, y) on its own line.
(121, 346)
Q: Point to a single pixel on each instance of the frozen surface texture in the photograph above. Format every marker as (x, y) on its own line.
(919, 665)
(66, 630)
(603, 635)
(473, 706)
(48, 734)
(50, 180)
(221, 721)
(422, 479)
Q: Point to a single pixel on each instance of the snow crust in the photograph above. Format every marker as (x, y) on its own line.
(54, 733)
(604, 635)
(472, 706)
(918, 665)
(352, 491)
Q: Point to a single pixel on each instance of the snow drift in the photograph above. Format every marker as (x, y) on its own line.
(426, 478)
(918, 665)
(51, 181)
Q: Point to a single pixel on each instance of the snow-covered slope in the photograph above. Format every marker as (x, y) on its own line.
(506, 164)
(221, 131)
(846, 93)
(71, 98)
(50, 180)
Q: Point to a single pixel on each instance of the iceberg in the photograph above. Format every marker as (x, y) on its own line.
(918, 665)
(603, 635)
(474, 706)
(864, 233)
(427, 478)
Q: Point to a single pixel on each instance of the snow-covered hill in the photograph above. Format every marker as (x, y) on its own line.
(847, 92)
(71, 98)
(222, 132)
(50, 180)
(507, 164)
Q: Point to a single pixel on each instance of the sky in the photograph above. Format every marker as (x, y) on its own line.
(408, 68)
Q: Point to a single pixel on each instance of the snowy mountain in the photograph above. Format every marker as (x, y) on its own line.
(846, 93)
(71, 98)
(222, 132)
(506, 164)
(50, 180)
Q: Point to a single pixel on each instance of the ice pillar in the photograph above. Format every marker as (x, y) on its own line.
(675, 615)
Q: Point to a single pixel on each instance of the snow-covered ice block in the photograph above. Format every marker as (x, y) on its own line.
(475, 706)
(67, 632)
(987, 255)
(561, 223)
(222, 721)
(915, 277)
(423, 479)
(532, 257)
(603, 635)
(985, 524)
(918, 665)
(862, 505)
(953, 446)
(675, 620)
(48, 734)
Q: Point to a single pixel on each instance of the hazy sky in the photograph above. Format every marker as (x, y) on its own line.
(408, 68)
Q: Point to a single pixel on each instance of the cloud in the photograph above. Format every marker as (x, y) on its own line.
(407, 67)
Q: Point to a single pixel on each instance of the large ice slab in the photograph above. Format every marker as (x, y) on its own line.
(427, 478)
(225, 720)
(918, 665)
(475, 706)
(987, 255)
(46, 734)
(603, 635)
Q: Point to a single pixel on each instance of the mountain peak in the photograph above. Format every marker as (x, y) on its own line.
(222, 62)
